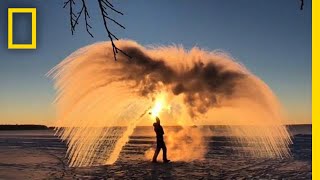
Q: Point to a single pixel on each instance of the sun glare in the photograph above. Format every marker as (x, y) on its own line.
(160, 105)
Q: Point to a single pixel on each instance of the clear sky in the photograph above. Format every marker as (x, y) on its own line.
(271, 38)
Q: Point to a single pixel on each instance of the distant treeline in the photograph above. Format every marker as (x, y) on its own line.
(24, 127)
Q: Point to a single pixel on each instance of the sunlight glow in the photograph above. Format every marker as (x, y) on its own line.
(160, 105)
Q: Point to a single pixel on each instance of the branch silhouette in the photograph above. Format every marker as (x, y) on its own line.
(104, 6)
(301, 4)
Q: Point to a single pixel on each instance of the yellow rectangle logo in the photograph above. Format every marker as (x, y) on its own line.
(33, 12)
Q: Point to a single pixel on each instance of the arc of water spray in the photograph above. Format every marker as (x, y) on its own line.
(124, 139)
(92, 91)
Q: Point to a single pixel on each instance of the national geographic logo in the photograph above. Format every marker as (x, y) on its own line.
(33, 44)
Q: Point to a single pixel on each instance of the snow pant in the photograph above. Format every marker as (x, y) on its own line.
(160, 145)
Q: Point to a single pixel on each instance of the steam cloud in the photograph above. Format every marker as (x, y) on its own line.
(202, 80)
(95, 94)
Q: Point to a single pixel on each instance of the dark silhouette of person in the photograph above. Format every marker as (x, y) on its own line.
(160, 143)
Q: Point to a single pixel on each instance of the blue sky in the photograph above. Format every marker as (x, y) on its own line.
(271, 38)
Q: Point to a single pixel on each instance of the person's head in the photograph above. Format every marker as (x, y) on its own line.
(157, 120)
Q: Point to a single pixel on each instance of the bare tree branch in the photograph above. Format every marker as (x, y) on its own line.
(301, 4)
(109, 5)
(104, 5)
(71, 3)
(74, 19)
(86, 17)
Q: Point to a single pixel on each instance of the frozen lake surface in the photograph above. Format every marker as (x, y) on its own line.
(39, 154)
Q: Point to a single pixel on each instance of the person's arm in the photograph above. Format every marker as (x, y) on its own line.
(162, 131)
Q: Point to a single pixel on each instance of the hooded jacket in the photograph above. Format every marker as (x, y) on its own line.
(159, 131)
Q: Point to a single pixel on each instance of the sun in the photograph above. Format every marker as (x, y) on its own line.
(160, 105)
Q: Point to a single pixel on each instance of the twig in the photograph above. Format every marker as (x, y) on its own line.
(86, 17)
(71, 13)
(301, 4)
(104, 4)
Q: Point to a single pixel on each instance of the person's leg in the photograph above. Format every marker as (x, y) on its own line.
(154, 159)
(164, 150)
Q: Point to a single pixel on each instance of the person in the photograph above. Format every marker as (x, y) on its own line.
(160, 142)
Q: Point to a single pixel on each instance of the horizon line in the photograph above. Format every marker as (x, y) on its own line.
(150, 125)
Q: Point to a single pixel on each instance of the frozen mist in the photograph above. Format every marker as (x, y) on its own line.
(100, 101)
